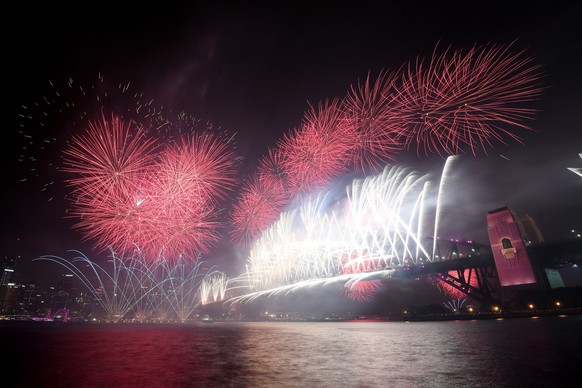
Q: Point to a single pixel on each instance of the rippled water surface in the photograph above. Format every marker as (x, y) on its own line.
(524, 352)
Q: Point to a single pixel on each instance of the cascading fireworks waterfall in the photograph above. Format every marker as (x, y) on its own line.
(378, 225)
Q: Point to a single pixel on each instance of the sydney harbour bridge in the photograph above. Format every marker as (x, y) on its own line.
(469, 268)
(159, 205)
(387, 228)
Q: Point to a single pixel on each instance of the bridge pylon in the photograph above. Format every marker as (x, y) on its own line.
(515, 268)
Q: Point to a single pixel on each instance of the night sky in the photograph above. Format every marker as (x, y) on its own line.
(252, 69)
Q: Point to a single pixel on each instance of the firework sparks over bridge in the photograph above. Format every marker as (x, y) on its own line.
(147, 186)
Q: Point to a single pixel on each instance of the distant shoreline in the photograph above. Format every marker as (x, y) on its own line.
(492, 315)
(396, 318)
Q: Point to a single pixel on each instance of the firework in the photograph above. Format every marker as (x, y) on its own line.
(270, 169)
(160, 204)
(459, 102)
(315, 153)
(110, 164)
(213, 287)
(261, 202)
(137, 290)
(380, 225)
(455, 305)
(372, 116)
(200, 165)
(185, 186)
(66, 107)
(374, 227)
(361, 291)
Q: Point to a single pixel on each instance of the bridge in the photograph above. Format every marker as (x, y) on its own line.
(477, 276)
(486, 273)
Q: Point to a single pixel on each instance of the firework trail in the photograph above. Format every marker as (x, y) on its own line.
(374, 227)
(458, 103)
(371, 116)
(455, 305)
(448, 165)
(213, 287)
(134, 289)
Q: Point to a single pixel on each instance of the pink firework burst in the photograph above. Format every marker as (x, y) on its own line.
(200, 165)
(110, 158)
(372, 116)
(110, 163)
(68, 105)
(468, 102)
(163, 204)
(261, 202)
(361, 291)
(114, 221)
(271, 170)
(316, 153)
(188, 179)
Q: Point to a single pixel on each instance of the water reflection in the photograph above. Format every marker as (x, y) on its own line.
(505, 353)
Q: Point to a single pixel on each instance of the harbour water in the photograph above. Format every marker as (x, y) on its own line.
(518, 352)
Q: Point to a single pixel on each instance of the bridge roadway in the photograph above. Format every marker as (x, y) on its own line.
(476, 276)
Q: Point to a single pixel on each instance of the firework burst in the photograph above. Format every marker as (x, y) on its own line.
(372, 117)
(160, 204)
(465, 102)
(260, 204)
(455, 103)
(65, 108)
(315, 153)
(361, 291)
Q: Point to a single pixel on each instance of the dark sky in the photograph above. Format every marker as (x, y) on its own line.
(252, 68)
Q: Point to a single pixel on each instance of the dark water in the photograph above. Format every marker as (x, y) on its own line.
(521, 352)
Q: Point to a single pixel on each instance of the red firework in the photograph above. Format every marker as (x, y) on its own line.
(189, 177)
(316, 153)
(270, 169)
(109, 159)
(456, 103)
(162, 205)
(200, 166)
(372, 116)
(361, 291)
(118, 222)
(463, 102)
(110, 163)
(261, 202)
